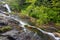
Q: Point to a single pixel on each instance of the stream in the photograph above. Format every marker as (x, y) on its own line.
(22, 23)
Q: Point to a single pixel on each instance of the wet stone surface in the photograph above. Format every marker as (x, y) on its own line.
(15, 34)
(23, 36)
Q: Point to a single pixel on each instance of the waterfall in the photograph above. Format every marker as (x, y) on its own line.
(8, 8)
(52, 35)
(48, 33)
(23, 23)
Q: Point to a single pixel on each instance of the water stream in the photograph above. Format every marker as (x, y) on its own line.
(23, 23)
(8, 8)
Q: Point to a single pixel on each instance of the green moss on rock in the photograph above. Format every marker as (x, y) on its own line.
(5, 28)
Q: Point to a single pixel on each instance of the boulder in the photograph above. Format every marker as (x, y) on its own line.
(13, 22)
(56, 34)
(3, 21)
(51, 29)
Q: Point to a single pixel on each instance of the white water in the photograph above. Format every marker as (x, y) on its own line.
(23, 23)
(50, 34)
(8, 8)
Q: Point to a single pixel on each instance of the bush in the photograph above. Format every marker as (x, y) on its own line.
(44, 11)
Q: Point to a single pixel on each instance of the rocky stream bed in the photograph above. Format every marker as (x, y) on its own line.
(13, 28)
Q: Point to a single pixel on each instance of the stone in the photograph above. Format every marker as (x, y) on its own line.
(13, 22)
(3, 21)
(56, 34)
(3, 38)
(51, 29)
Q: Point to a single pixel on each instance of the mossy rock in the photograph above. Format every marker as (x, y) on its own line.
(5, 28)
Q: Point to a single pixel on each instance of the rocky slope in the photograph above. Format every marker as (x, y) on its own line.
(15, 32)
(12, 28)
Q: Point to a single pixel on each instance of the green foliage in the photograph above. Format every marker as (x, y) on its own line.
(44, 11)
(14, 4)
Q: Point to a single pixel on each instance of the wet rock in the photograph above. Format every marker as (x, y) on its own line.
(3, 38)
(44, 35)
(5, 29)
(3, 24)
(11, 35)
(56, 34)
(6, 37)
(11, 32)
(51, 29)
(28, 36)
(11, 38)
(2, 7)
(13, 22)
(15, 35)
(3, 21)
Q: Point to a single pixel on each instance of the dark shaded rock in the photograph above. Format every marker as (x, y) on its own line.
(6, 37)
(3, 24)
(15, 35)
(11, 38)
(44, 35)
(28, 36)
(2, 7)
(13, 22)
(51, 29)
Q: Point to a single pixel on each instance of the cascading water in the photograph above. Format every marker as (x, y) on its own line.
(50, 34)
(23, 23)
(7, 7)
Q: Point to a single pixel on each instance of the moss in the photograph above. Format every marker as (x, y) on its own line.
(5, 28)
(57, 24)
